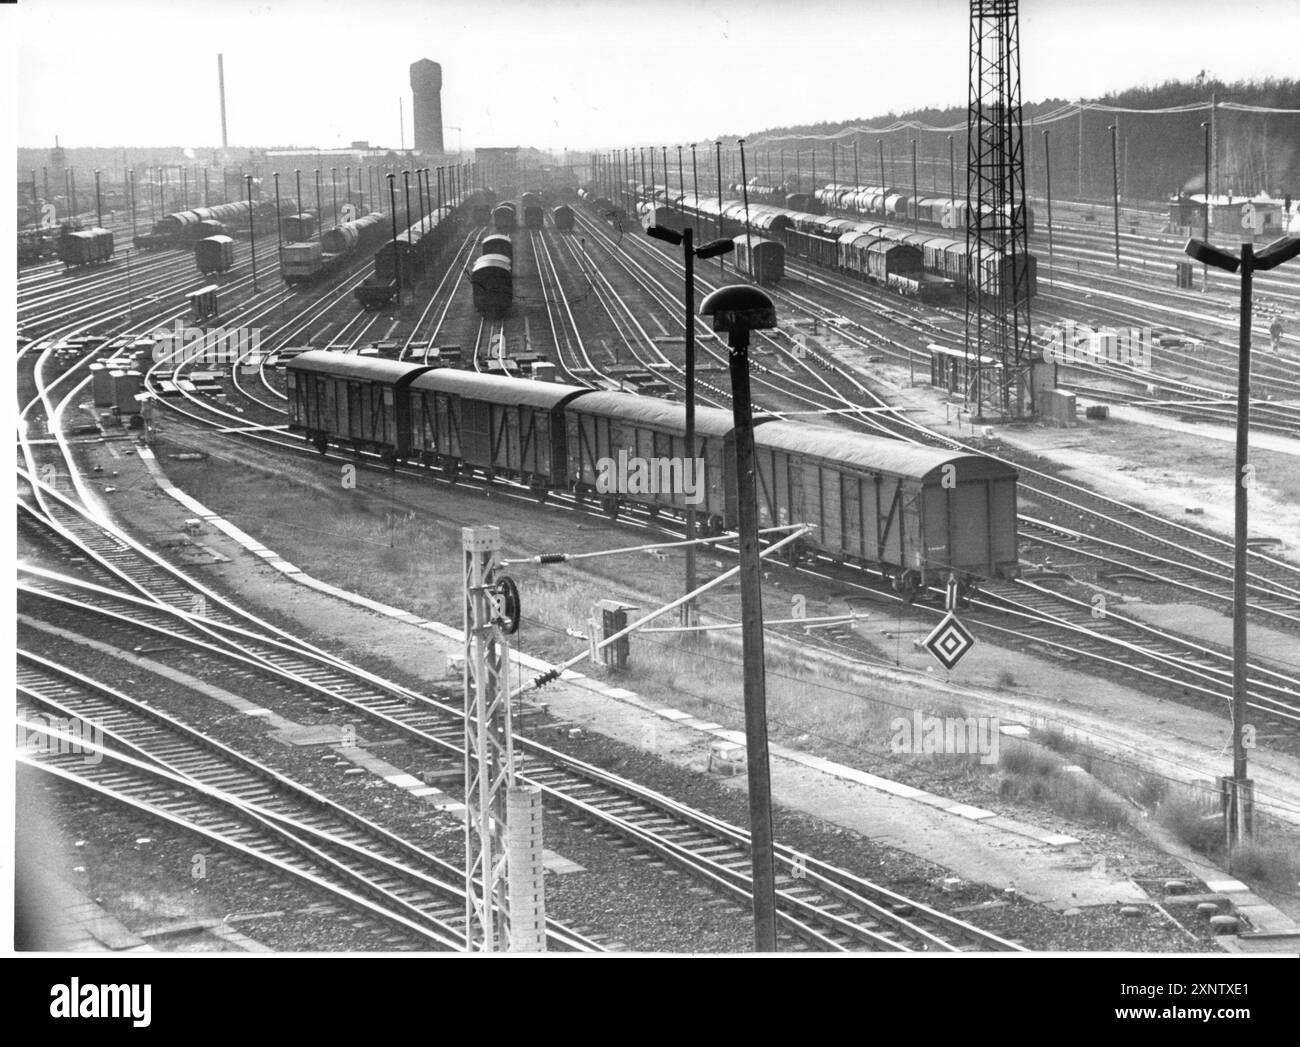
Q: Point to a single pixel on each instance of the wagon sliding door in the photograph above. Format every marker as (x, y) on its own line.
(475, 432)
(821, 500)
(773, 473)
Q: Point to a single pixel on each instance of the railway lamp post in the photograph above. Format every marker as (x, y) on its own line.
(99, 207)
(722, 266)
(334, 189)
(744, 191)
(130, 293)
(392, 210)
(690, 253)
(252, 238)
(695, 181)
(406, 188)
(1051, 254)
(916, 211)
(1114, 182)
(737, 310)
(320, 211)
(1205, 225)
(1240, 799)
(279, 231)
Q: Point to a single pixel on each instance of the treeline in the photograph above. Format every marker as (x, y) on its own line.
(1156, 153)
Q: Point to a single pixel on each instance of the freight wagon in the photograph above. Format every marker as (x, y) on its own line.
(915, 514)
(359, 401)
(764, 260)
(503, 218)
(616, 428)
(501, 427)
(562, 218)
(214, 254)
(911, 512)
(497, 243)
(493, 285)
(86, 247)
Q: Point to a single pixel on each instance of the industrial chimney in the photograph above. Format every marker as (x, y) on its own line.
(426, 87)
(221, 85)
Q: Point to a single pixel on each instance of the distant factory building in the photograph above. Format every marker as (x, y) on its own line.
(426, 87)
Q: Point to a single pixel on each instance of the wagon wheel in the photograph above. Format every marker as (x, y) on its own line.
(609, 505)
(906, 585)
(450, 470)
(714, 526)
(537, 485)
(654, 511)
(579, 495)
(322, 444)
(794, 552)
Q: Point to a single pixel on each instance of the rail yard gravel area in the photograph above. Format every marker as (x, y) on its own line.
(661, 926)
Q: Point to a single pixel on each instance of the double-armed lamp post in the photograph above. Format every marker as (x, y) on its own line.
(1240, 801)
(710, 250)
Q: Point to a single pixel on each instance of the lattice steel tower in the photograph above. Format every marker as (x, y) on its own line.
(997, 243)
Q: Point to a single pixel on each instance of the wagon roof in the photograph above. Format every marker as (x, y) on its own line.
(875, 453)
(495, 389)
(220, 238)
(349, 365)
(652, 411)
(492, 261)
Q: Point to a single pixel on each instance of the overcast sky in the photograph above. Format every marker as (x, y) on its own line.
(580, 73)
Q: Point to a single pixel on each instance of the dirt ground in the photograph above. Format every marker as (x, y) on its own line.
(1161, 735)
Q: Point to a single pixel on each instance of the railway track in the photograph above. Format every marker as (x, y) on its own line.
(1121, 641)
(154, 762)
(656, 823)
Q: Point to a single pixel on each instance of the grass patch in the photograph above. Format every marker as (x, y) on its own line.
(1191, 821)
(1055, 739)
(1025, 761)
(1276, 864)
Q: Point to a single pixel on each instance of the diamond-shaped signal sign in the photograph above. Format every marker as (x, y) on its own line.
(949, 641)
